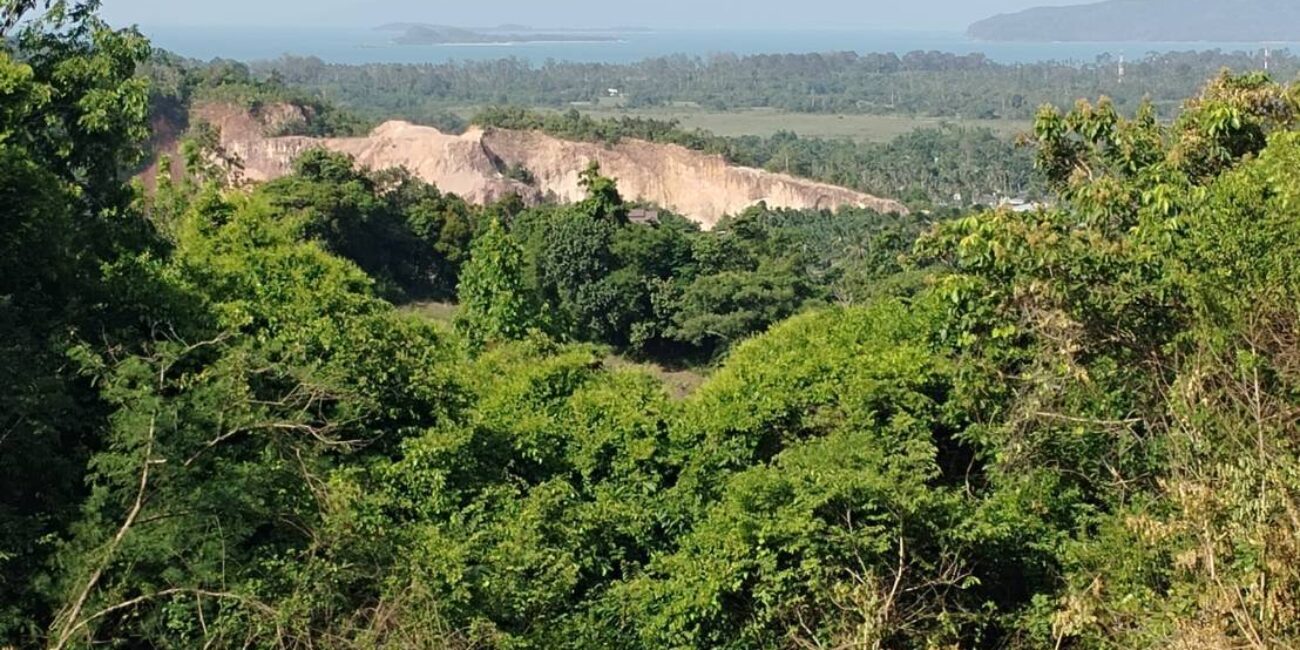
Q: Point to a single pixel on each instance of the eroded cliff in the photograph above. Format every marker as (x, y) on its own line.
(700, 186)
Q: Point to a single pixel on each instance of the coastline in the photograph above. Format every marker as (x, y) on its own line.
(514, 43)
(358, 46)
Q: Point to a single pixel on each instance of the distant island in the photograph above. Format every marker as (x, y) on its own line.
(1149, 21)
(425, 34)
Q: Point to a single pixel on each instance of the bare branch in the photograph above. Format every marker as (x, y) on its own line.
(71, 623)
(126, 604)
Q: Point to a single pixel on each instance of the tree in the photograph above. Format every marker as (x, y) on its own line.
(402, 231)
(495, 303)
(75, 262)
(603, 200)
(213, 466)
(716, 311)
(1144, 319)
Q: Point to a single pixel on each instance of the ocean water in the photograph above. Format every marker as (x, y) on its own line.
(355, 46)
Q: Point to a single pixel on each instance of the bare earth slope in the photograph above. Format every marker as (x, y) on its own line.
(700, 186)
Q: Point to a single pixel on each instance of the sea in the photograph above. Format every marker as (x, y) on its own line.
(364, 45)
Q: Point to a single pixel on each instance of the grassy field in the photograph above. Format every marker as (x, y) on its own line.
(765, 122)
(441, 312)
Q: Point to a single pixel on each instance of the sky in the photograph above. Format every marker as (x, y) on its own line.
(704, 14)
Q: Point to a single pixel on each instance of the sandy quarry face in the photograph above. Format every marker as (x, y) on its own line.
(700, 186)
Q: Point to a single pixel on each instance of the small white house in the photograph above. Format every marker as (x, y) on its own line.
(1021, 205)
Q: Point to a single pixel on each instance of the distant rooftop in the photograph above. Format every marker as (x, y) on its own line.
(643, 216)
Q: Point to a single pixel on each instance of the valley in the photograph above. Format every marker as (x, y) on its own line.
(744, 345)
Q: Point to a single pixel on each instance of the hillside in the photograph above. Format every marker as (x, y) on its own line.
(699, 186)
(225, 424)
(1149, 21)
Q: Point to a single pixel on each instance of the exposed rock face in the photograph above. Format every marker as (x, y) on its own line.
(700, 186)
(457, 164)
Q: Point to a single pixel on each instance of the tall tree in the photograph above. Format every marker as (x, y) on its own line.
(71, 116)
(496, 304)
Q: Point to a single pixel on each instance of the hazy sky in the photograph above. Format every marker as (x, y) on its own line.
(712, 14)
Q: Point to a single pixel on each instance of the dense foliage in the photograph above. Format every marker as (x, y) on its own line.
(1070, 428)
(403, 232)
(176, 84)
(917, 83)
(672, 293)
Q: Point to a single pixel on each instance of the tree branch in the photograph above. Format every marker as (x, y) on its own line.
(72, 624)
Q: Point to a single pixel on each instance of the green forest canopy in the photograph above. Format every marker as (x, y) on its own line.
(1066, 428)
(933, 84)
